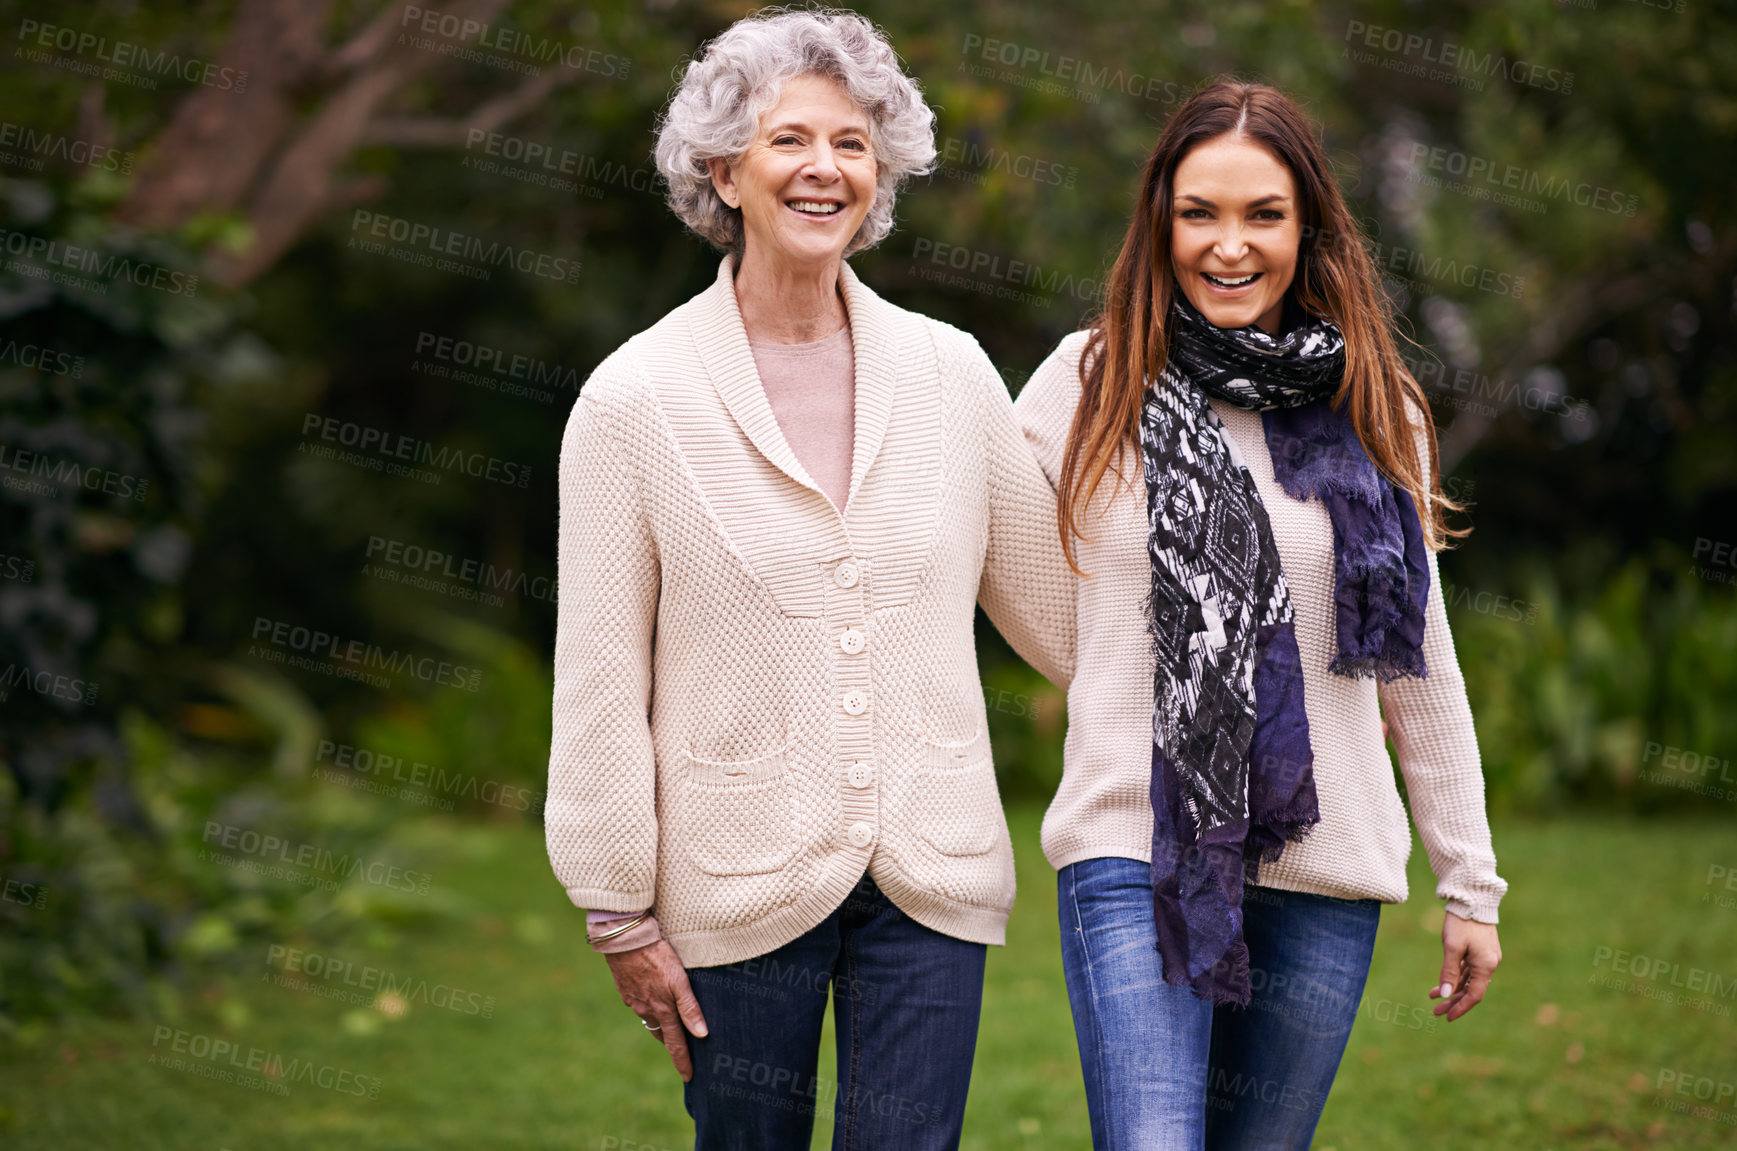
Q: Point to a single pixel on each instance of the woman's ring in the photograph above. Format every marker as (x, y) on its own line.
(649, 1026)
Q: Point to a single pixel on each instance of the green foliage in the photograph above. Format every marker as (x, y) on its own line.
(492, 753)
(105, 914)
(130, 913)
(1577, 697)
(100, 424)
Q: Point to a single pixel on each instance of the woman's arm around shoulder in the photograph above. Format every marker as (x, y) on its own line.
(1026, 588)
(1045, 407)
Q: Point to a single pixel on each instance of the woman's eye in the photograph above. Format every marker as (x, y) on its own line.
(853, 145)
(1194, 213)
(1269, 214)
(784, 141)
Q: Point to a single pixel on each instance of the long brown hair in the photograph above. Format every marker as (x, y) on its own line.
(1336, 279)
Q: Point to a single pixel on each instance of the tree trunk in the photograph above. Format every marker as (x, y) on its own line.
(255, 153)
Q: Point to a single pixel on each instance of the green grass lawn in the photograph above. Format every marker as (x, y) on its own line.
(1551, 1060)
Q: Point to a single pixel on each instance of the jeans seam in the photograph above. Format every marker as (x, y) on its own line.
(1092, 996)
(847, 1122)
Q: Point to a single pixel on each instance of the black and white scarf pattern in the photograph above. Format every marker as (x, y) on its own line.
(1232, 767)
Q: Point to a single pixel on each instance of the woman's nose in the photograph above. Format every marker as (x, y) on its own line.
(1231, 245)
(821, 163)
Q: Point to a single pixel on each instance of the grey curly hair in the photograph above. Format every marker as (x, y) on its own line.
(717, 105)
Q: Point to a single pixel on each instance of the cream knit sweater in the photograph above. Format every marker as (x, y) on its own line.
(758, 698)
(1359, 849)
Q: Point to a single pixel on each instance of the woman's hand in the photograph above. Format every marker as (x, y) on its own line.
(1470, 953)
(653, 983)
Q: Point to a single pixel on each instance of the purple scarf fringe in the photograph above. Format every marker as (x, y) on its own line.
(1381, 570)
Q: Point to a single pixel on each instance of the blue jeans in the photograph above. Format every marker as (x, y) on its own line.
(1168, 1072)
(905, 1003)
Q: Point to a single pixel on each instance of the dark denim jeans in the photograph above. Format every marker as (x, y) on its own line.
(1168, 1072)
(905, 1001)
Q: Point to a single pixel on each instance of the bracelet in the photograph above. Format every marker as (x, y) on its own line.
(622, 930)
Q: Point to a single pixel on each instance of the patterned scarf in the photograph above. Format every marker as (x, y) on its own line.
(1232, 767)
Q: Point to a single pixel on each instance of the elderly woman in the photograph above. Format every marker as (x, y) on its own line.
(779, 506)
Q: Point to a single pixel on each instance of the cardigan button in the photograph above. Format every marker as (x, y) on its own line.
(861, 835)
(846, 574)
(855, 702)
(852, 641)
(860, 774)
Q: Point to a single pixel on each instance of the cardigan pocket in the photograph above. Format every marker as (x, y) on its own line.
(958, 806)
(735, 817)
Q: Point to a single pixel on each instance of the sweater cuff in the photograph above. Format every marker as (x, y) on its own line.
(1482, 913)
(593, 897)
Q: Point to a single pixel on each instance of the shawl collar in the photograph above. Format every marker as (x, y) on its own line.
(723, 345)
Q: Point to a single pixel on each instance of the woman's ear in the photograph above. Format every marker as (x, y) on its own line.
(724, 181)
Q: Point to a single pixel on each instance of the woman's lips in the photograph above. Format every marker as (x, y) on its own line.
(838, 209)
(1219, 286)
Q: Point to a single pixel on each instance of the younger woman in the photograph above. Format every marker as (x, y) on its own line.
(1247, 478)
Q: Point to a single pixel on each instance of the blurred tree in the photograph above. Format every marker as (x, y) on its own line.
(276, 153)
(110, 385)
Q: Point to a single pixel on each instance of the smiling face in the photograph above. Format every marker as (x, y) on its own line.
(807, 181)
(1234, 232)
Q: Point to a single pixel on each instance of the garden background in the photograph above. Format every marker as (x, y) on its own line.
(219, 223)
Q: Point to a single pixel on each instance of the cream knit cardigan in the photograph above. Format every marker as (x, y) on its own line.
(757, 698)
(1359, 849)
